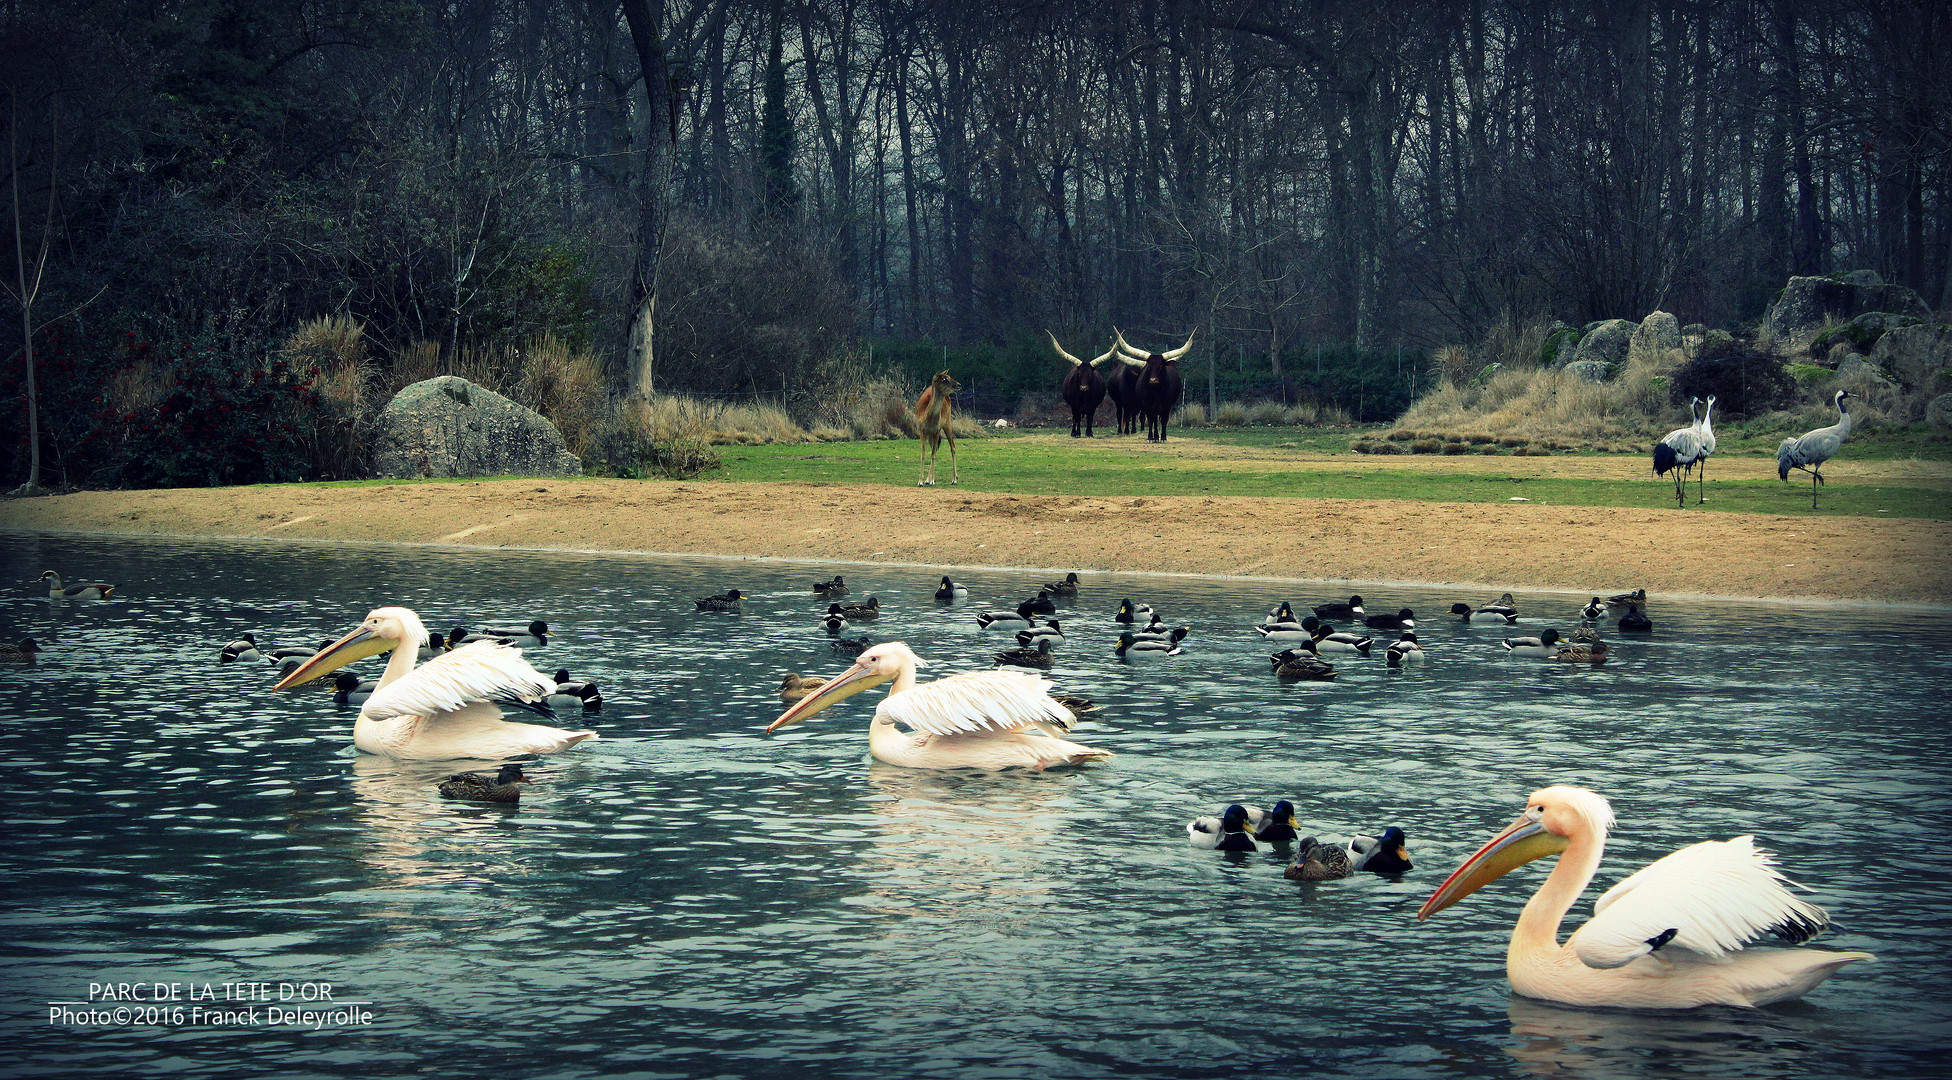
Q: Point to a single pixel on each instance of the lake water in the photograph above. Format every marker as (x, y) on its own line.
(689, 897)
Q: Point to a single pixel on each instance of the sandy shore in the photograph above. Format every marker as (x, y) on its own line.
(1515, 545)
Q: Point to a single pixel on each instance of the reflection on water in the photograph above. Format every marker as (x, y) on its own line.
(695, 898)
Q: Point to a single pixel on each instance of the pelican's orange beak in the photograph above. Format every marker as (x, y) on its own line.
(1526, 841)
(358, 645)
(839, 688)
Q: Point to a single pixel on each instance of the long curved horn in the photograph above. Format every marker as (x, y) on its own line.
(1104, 356)
(1060, 350)
(1126, 351)
(1181, 351)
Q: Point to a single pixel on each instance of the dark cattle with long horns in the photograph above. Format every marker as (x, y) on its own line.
(1159, 383)
(1084, 388)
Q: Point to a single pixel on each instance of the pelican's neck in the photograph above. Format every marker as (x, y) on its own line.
(404, 655)
(1538, 925)
(904, 681)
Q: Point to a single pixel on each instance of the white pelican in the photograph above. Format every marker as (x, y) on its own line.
(58, 591)
(444, 708)
(974, 720)
(1228, 832)
(1667, 937)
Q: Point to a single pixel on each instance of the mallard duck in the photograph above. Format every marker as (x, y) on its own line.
(950, 591)
(1282, 612)
(1158, 631)
(1078, 706)
(833, 588)
(22, 653)
(1228, 832)
(1004, 620)
(1404, 650)
(244, 648)
(1285, 631)
(793, 687)
(1041, 604)
(1585, 648)
(1049, 629)
(1128, 612)
(1338, 610)
(1593, 612)
(834, 622)
(1546, 644)
(851, 646)
(1067, 587)
(1038, 656)
(857, 611)
(1129, 647)
(1316, 861)
(1301, 664)
(1504, 600)
(532, 636)
(1638, 596)
(58, 591)
(1327, 639)
(432, 647)
(347, 689)
(572, 694)
(1635, 621)
(1274, 827)
(1503, 615)
(1402, 620)
(1385, 854)
(289, 657)
(505, 787)
(729, 600)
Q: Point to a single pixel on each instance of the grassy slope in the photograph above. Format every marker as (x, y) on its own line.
(1021, 465)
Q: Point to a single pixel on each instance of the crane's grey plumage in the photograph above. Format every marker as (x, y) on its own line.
(1814, 448)
(1682, 449)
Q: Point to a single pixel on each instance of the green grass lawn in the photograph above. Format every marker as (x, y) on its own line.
(1015, 464)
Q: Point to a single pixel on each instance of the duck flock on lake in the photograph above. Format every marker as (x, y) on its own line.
(1671, 935)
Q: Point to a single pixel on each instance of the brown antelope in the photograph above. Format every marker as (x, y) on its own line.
(932, 426)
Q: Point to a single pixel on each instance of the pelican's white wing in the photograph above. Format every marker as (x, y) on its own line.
(978, 701)
(1710, 898)
(477, 671)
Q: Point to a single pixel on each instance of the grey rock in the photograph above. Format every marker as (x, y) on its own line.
(448, 426)
(1854, 369)
(1695, 329)
(1796, 317)
(1716, 344)
(1938, 412)
(1590, 370)
(1654, 338)
(1863, 277)
(1606, 343)
(1560, 341)
(1915, 354)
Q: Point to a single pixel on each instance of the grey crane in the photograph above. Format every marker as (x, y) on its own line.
(1814, 448)
(1680, 450)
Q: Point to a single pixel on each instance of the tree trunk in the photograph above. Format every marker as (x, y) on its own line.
(645, 18)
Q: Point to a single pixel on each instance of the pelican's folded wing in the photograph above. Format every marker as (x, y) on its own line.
(477, 671)
(1711, 898)
(979, 701)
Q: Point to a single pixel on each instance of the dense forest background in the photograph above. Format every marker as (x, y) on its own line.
(809, 187)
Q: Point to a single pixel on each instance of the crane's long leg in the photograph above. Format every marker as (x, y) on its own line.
(1701, 484)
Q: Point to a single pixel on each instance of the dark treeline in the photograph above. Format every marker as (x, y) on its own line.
(810, 175)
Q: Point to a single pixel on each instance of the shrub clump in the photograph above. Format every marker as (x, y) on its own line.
(1455, 448)
(1425, 446)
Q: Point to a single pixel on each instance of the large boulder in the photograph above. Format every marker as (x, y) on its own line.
(1939, 412)
(1654, 339)
(1560, 341)
(1915, 354)
(1590, 370)
(1798, 315)
(448, 426)
(1606, 342)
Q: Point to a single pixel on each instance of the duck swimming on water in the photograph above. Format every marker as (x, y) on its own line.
(1339, 610)
(1228, 832)
(1038, 656)
(1067, 587)
(22, 653)
(1300, 664)
(1385, 854)
(1276, 826)
(830, 589)
(505, 787)
(90, 591)
(1316, 861)
(244, 648)
(950, 592)
(729, 600)
(1546, 644)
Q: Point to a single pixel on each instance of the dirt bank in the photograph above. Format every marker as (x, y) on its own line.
(1500, 546)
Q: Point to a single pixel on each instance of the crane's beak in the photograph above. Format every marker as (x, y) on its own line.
(1524, 842)
(839, 688)
(358, 645)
